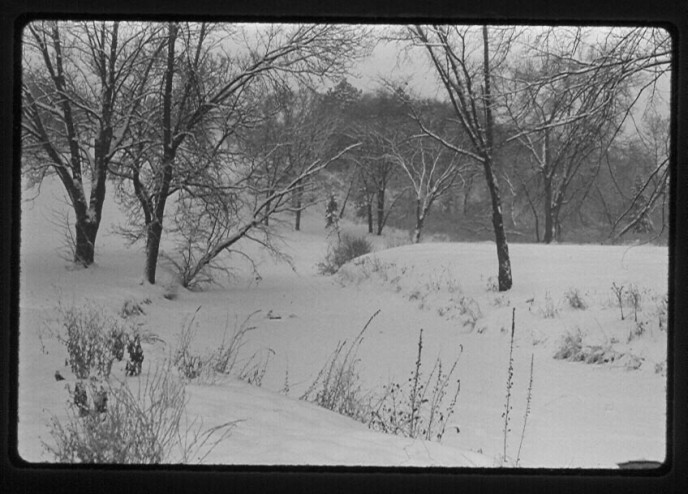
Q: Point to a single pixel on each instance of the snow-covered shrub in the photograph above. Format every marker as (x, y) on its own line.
(470, 310)
(548, 310)
(346, 248)
(93, 339)
(337, 386)
(145, 425)
(575, 299)
(570, 347)
(640, 328)
(418, 408)
(573, 349)
(135, 351)
(132, 307)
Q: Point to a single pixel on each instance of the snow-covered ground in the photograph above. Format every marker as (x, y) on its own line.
(582, 415)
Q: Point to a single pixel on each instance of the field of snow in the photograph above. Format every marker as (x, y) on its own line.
(581, 415)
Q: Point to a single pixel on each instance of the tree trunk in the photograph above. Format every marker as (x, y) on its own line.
(88, 218)
(380, 210)
(466, 197)
(346, 197)
(504, 274)
(86, 232)
(369, 211)
(154, 228)
(154, 234)
(420, 219)
(549, 219)
(266, 220)
(298, 201)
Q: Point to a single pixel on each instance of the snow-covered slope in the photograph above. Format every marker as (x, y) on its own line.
(581, 415)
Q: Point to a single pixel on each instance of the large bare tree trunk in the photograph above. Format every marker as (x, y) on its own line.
(154, 233)
(85, 241)
(153, 237)
(504, 274)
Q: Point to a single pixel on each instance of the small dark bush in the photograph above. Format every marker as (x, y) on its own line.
(348, 247)
(93, 339)
(571, 347)
(133, 367)
(575, 299)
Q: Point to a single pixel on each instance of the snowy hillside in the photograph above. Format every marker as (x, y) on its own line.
(581, 415)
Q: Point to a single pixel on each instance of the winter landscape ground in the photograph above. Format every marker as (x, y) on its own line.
(591, 415)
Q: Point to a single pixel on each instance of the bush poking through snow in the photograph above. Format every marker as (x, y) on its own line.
(131, 307)
(254, 370)
(346, 248)
(575, 299)
(572, 349)
(133, 367)
(337, 386)
(549, 310)
(145, 425)
(417, 409)
(634, 299)
(188, 364)
(638, 331)
(470, 310)
(93, 338)
(223, 359)
(619, 294)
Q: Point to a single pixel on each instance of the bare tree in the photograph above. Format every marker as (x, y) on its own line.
(79, 93)
(641, 59)
(464, 59)
(431, 170)
(380, 119)
(563, 117)
(214, 218)
(199, 97)
(650, 187)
